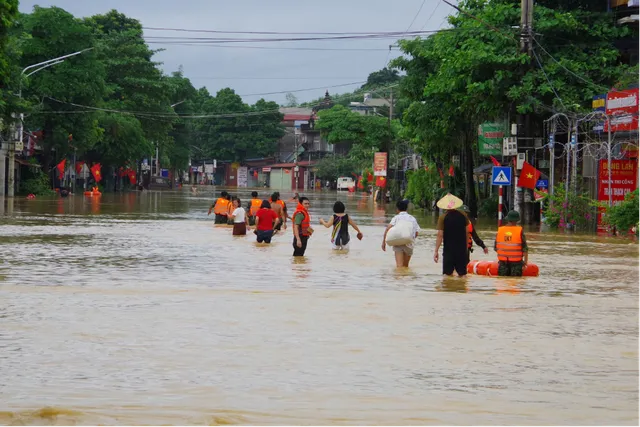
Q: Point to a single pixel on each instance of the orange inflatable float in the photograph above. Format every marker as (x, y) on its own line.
(94, 192)
(490, 268)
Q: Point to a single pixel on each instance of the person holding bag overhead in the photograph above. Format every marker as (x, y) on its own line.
(401, 233)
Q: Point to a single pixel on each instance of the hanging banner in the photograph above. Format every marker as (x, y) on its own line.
(380, 164)
(243, 175)
(490, 136)
(624, 179)
(622, 107)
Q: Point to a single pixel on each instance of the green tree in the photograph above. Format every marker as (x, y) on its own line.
(239, 131)
(475, 71)
(339, 124)
(49, 33)
(134, 83)
(8, 16)
(625, 215)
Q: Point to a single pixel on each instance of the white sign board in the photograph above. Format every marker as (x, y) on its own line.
(208, 168)
(243, 173)
(510, 146)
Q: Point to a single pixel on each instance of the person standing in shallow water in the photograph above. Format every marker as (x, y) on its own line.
(452, 231)
(266, 222)
(301, 227)
(511, 246)
(340, 222)
(239, 218)
(403, 253)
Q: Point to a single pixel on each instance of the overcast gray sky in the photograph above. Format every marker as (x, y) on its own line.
(256, 71)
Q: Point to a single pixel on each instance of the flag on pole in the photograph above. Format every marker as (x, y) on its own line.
(495, 161)
(95, 171)
(528, 176)
(452, 171)
(61, 166)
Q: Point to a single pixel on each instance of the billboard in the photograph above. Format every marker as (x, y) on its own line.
(243, 176)
(622, 106)
(624, 179)
(490, 137)
(380, 164)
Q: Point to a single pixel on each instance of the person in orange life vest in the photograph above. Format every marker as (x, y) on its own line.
(276, 205)
(283, 205)
(230, 208)
(253, 206)
(301, 227)
(220, 208)
(472, 235)
(511, 246)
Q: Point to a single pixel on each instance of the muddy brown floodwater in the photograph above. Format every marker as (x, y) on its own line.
(136, 309)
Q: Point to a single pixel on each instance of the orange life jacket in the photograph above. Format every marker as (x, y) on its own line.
(509, 243)
(306, 221)
(256, 204)
(469, 238)
(281, 203)
(221, 207)
(230, 208)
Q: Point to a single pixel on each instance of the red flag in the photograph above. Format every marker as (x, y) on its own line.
(451, 171)
(95, 171)
(132, 176)
(528, 176)
(381, 181)
(61, 166)
(495, 161)
(79, 166)
(369, 177)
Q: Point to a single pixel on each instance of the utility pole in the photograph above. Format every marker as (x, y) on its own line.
(524, 122)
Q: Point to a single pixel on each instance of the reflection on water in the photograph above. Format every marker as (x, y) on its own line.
(135, 309)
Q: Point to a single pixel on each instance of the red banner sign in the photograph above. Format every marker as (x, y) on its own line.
(622, 107)
(380, 164)
(624, 179)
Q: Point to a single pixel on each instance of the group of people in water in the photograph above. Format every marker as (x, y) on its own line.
(456, 233)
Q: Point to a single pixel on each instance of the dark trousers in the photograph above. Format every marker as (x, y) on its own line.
(300, 251)
(513, 269)
(221, 219)
(455, 261)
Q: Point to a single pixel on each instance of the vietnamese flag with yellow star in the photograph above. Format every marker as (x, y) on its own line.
(95, 171)
(529, 176)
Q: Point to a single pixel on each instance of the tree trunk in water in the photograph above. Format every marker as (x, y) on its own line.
(472, 200)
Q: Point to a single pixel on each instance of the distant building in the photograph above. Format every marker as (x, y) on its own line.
(370, 106)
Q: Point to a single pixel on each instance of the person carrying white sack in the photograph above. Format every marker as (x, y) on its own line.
(401, 233)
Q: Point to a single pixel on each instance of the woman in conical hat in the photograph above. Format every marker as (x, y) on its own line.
(449, 202)
(452, 231)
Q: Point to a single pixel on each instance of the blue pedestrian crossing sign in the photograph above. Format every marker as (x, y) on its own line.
(501, 175)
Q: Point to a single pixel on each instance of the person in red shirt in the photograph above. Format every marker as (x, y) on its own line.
(266, 221)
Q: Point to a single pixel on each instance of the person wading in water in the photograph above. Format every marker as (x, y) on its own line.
(220, 208)
(277, 208)
(340, 222)
(301, 227)
(452, 230)
(511, 246)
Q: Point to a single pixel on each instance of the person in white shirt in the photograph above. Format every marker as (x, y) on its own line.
(239, 218)
(403, 253)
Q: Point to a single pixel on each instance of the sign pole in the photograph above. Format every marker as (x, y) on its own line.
(500, 206)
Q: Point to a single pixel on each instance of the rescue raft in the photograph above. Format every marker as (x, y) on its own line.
(94, 192)
(490, 268)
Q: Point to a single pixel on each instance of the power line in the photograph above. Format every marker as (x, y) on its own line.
(568, 70)
(416, 16)
(267, 47)
(306, 89)
(430, 16)
(186, 30)
(547, 77)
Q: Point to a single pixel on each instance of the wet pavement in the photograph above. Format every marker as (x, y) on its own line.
(136, 309)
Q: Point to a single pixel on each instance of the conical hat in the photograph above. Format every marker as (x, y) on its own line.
(449, 202)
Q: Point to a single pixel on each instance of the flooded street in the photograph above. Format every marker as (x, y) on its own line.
(136, 309)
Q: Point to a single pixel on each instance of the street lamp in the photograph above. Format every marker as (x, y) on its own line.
(12, 147)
